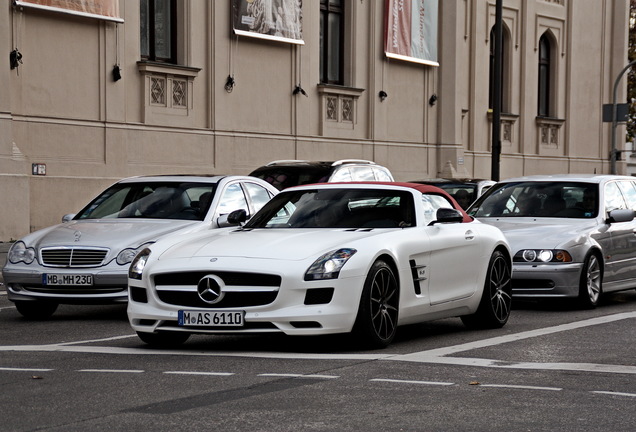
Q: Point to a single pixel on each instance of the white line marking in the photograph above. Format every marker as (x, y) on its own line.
(199, 373)
(7, 308)
(25, 369)
(298, 375)
(96, 340)
(514, 337)
(111, 370)
(412, 382)
(522, 387)
(434, 356)
(615, 393)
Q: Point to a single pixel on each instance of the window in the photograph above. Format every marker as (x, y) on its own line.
(232, 199)
(545, 60)
(331, 41)
(158, 30)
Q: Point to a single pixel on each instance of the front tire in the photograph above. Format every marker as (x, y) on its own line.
(36, 310)
(164, 339)
(376, 323)
(591, 283)
(496, 299)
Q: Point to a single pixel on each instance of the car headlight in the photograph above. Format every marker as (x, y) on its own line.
(137, 267)
(328, 266)
(19, 252)
(543, 255)
(127, 255)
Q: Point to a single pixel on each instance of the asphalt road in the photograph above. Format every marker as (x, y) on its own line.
(550, 368)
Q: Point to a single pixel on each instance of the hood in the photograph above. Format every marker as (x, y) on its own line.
(115, 234)
(276, 244)
(542, 233)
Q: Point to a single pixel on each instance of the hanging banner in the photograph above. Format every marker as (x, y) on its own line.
(410, 31)
(100, 9)
(279, 20)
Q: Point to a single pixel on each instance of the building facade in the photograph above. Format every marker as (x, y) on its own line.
(175, 86)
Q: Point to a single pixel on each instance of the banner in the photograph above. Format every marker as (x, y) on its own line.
(279, 20)
(410, 31)
(100, 9)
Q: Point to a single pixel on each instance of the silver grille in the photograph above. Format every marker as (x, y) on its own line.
(73, 257)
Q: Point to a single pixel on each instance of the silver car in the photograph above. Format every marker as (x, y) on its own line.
(572, 235)
(85, 260)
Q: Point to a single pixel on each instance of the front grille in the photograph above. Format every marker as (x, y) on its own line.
(230, 278)
(232, 299)
(73, 257)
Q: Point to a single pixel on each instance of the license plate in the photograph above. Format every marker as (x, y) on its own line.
(230, 318)
(67, 279)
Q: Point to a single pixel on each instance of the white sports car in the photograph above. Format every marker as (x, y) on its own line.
(322, 259)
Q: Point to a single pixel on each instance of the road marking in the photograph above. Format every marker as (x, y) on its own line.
(434, 356)
(111, 370)
(412, 382)
(298, 375)
(522, 387)
(615, 393)
(25, 369)
(199, 373)
(440, 352)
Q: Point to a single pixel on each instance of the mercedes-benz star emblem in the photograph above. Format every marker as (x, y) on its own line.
(210, 289)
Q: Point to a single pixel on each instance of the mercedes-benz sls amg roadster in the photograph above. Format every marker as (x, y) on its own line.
(361, 258)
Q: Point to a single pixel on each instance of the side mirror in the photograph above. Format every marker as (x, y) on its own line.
(620, 215)
(68, 217)
(446, 215)
(237, 217)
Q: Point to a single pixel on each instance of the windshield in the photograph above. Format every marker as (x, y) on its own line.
(337, 208)
(539, 199)
(157, 200)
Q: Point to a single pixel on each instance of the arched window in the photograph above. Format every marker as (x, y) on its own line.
(545, 72)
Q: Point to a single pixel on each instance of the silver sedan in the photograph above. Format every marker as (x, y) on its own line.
(572, 235)
(85, 259)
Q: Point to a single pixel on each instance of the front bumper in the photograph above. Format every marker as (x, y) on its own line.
(294, 307)
(109, 286)
(546, 280)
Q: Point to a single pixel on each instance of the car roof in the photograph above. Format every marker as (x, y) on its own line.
(317, 164)
(451, 180)
(204, 178)
(588, 178)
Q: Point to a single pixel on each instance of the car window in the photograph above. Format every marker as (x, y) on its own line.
(232, 198)
(628, 189)
(158, 200)
(431, 204)
(258, 195)
(337, 208)
(362, 173)
(341, 174)
(539, 199)
(613, 197)
(382, 175)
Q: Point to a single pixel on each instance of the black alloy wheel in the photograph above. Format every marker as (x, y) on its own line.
(496, 300)
(376, 323)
